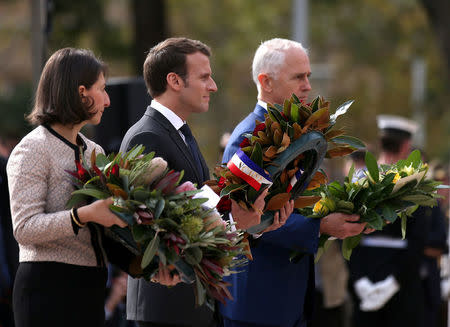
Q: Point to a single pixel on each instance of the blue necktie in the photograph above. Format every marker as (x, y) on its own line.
(190, 141)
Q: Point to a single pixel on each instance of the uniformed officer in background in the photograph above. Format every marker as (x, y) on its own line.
(384, 270)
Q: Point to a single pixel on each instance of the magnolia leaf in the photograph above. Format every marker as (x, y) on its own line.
(294, 112)
(315, 116)
(348, 244)
(257, 155)
(264, 137)
(277, 137)
(315, 104)
(333, 133)
(294, 98)
(98, 194)
(278, 201)
(278, 107)
(275, 126)
(150, 252)
(287, 108)
(339, 151)
(341, 110)
(414, 159)
(271, 152)
(306, 201)
(274, 115)
(372, 167)
(230, 188)
(286, 140)
(350, 140)
(297, 130)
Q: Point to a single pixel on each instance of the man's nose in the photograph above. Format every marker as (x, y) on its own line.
(212, 87)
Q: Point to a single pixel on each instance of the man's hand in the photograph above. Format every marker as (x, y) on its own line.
(247, 218)
(281, 216)
(341, 225)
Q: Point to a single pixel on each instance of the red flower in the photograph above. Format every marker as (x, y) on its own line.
(83, 174)
(221, 182)
(115, 170)
(245, 142)
(259, 128)
(224, 204)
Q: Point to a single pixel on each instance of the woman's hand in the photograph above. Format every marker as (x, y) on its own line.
(164, 277)
(99, 212)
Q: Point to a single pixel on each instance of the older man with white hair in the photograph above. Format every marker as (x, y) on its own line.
(272, 291)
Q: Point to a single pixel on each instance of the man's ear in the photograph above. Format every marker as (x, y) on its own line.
(174, 81)
(266, 82)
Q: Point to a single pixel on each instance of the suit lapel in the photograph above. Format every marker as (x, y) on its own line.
(259, 112)
(174, 135)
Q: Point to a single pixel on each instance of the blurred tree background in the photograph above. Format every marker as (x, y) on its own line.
(359, 50)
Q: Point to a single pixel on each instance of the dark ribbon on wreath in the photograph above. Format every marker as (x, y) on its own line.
(242, 166)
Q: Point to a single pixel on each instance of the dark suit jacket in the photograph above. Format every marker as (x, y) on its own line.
(148, 301)
(272, 291)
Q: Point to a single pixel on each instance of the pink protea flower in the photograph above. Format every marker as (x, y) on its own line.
(185, 187)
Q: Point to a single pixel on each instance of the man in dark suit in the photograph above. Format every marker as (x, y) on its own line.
(272, 291)
(178, 76)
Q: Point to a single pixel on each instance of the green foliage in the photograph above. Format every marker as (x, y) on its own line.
(384, 194)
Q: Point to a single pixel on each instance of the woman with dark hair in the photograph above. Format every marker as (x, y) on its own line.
(61, 276)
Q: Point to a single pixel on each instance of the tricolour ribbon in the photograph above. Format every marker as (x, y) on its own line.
(242, 166)
(294, 179)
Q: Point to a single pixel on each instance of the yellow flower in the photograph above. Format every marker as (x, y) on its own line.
(324, 206)
(396, 178)
(408, 170)
(319, 208)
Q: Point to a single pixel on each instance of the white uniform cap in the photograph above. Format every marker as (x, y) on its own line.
(397, 123)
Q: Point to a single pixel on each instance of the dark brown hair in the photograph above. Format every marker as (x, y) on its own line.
(57, 97)
(167, 57)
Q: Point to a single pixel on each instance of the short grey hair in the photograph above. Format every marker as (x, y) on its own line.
(270, 56)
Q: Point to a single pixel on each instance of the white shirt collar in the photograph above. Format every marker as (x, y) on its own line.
(262, 103)
(176, 121)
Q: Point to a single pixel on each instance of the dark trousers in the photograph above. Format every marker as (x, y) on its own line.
(154, 324)
(57, 294)
(233, 323)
